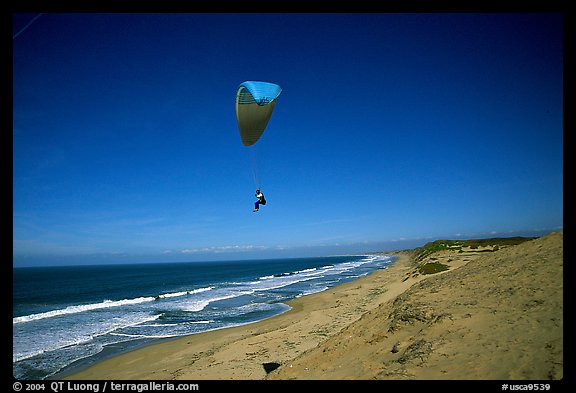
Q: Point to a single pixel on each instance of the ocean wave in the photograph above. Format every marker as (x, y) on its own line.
(59, 342)
(104, 304)
(144, 335)
(313, 269)
(199, 305)
(312, 290)
(262, 284)
(276, 281)
(81, 308)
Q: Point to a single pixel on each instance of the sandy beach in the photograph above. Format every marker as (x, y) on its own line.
(496, 313)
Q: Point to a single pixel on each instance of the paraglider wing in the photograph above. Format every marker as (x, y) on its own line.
(254, 104)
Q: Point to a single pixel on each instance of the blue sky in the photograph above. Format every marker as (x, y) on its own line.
(391, 130)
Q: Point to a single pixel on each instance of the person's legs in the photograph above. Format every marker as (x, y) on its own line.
(256, 205)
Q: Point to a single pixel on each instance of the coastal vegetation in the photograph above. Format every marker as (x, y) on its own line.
(435, 257)
(478, 245)
(432, 267)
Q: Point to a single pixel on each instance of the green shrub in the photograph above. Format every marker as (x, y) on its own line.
(431, 268)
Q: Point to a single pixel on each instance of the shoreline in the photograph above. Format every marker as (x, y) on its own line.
(116, 349)
(80, 365)
(496, 313)
(307, 310)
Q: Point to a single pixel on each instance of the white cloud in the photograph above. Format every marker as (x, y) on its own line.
(221, 249)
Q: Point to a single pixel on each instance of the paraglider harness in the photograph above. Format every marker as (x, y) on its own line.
(262, 199)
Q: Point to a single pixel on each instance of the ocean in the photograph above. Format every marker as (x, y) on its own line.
(75, 314)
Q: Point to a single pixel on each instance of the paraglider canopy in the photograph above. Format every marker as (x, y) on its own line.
(254, 104)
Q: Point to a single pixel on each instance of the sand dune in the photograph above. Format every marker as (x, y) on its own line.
(498, 317)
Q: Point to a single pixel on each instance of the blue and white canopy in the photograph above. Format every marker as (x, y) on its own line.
(254, 104)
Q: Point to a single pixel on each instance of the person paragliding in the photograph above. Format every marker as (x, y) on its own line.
(261, 200)
(254, 104)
